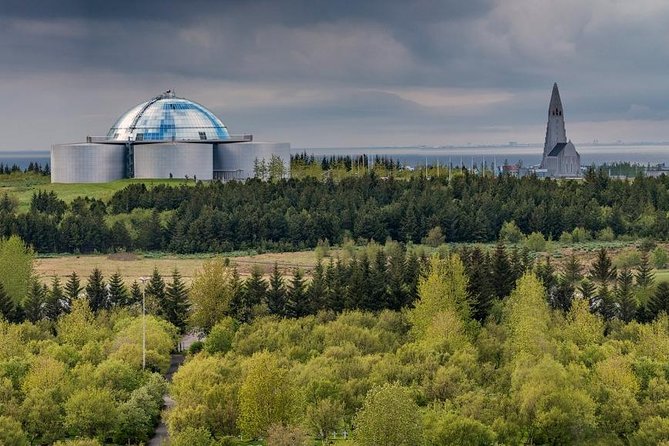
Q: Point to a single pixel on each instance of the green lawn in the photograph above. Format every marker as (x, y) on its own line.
(661, 275)
(22, 186)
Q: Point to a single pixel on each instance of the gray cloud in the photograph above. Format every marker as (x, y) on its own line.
(338, 73)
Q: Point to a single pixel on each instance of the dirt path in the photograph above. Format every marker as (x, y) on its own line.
(177, 359)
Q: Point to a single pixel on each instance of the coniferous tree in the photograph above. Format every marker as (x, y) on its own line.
(155, 294)
(135, 294)
(7, 307)
(237, 293)
(378, 298)
(479, 288)
(502, 274)
(603, 271)
(96, 291)
(659, 301)
(334, 292)
(644, 273)
(355, 286)
(177, 307)
(316, 289)
(33, 305)
(397, 288)
(72, 287)
(118, 294)
(296, 298)
(605, 303)
(588, 291)
(412, 275)
(53, 305)
(572, 272)
(276, 293)
(625, 300)
(253, 295)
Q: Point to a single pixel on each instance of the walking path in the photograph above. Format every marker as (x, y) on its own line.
(176, 360)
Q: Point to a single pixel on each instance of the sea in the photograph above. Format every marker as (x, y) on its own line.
(527, 154)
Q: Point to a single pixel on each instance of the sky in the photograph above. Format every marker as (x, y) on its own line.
(339, 73)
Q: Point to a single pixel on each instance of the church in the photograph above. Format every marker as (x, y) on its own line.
(560, 156)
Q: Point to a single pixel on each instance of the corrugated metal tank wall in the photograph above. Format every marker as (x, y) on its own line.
(236, 160)
(87, 163)
(179, 159)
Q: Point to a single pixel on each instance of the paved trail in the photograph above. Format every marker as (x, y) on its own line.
(177, 359)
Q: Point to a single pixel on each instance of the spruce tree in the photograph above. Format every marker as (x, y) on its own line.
(603, 271)
(96, 291)
(33, 305)
(572, 272)
(412, 275)
(118, 294)
(377, 288)
(53, 305)
(72, 288)
(237, 292)
(502, 274)
(479, 288)
(334, 295)
(276, 294)
(644, 273)
(316, 290)
(296, 305)
(7, 307)
(605, 303)
(135, 294)
(588, 290)
(253, 295)
(659, 301)
(177, 302)
(355, 286)
(625, 300)
(155, 293)
(397, 288)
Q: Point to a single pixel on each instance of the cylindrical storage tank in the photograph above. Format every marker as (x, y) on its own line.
(87, 163)
(238, 160)
(174, 159)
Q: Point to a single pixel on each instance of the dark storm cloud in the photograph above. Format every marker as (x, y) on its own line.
(427, 69)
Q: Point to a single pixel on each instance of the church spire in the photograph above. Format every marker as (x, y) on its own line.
(555, 131)
(555, 106)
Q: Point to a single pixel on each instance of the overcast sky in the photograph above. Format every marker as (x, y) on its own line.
(340, 73)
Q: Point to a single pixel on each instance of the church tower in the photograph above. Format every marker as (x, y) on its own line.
(561, 159)
(555, 132)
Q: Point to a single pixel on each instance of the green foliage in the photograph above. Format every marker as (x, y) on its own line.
(11, 433)
(511, 233)
(434, 237)
(176, 305)
(660, 257)
(444, 289)
(442, 428)
(388, 417)
(211, 295)
(267, 396)
(221, 336)
(16, 267)
(536, 242)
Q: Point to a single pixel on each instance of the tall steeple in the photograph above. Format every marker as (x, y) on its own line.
(555, 132)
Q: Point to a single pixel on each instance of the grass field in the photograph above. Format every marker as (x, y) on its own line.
(133, 266)
(22, 186)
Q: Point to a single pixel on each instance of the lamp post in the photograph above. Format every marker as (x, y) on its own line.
(143, 280)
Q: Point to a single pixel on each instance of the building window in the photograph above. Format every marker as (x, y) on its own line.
(139, 137)
(203, 135)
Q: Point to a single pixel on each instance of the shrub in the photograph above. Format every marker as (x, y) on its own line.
(510, 232)
(195, 348)
(535, 242)
(434, 237)
(280, 435)
(606, 235)
(221, 336)
(660, 258)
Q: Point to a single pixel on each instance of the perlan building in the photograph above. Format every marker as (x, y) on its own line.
(166, 137)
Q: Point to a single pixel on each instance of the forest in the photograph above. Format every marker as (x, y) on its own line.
(473, 345)
(295, 214)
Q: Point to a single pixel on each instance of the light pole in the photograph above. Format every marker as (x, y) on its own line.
(143, 280)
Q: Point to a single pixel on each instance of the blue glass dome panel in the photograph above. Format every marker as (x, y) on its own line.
(166, 118)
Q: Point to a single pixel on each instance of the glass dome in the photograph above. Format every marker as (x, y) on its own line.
(167, 117)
